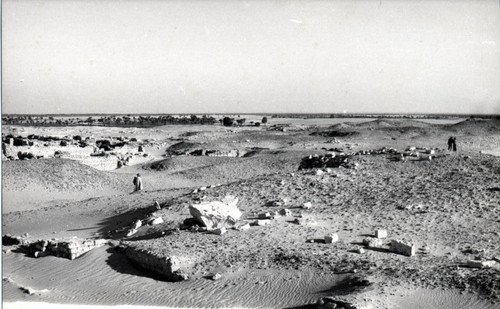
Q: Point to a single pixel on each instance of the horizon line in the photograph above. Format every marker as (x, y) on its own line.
(257, 113)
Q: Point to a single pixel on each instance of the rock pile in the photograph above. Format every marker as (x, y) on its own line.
(323, 161)
(383, 150)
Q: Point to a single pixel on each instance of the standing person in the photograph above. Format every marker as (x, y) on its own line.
(450, 143)
(137, 183)
(454, 144)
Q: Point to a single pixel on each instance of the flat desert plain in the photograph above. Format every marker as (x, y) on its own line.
(341, 214)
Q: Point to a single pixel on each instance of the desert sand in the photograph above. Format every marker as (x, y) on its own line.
(447, 207)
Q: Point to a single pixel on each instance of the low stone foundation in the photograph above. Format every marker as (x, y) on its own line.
(402, 247)
(171, 268)
(65, 249)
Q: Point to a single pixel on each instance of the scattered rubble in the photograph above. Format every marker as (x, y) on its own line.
(324, 161)
(332, 303)
(307, 205)
(241, 226)
(305, 221)
(265, 215)
(279, 202)
(285, 212)
(219, 231)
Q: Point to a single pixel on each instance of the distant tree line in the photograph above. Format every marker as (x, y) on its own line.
(107, 121)
(228, 121)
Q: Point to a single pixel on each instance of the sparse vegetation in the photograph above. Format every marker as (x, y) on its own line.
(107, 121)
(227, 121)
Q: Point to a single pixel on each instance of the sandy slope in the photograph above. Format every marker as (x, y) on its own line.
(445, 205)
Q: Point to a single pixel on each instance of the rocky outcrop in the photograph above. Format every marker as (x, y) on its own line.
(216, 214)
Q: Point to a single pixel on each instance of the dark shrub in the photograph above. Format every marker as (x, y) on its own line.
(227, 121)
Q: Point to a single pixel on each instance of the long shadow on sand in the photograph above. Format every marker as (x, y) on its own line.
(310, 306)
(349, 285)
(115, 227)
(119, 262)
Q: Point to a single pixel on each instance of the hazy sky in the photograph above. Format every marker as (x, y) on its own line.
(188, 56)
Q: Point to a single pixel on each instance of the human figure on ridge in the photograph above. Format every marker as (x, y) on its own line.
(450, 143)
(137, 183)
(454, 144)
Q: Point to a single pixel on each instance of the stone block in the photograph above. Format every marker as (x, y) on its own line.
(131, 232)
(39, 254)
(307, 205)
(331, 238)
(100, 242)
(285, 212)
(373, 242)
(480, 264)
(264, 215)
(241, 226)
(216, 277)
(262, 222)
(401, 247)
(156, 221)
(332, 303)
(381, 233)
(137, 224)
(219, 231)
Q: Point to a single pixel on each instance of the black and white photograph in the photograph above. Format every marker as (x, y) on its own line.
(250, 154)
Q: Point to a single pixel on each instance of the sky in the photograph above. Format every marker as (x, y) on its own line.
(228, 56)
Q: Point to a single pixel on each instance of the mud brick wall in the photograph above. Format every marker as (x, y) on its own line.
(65, 249)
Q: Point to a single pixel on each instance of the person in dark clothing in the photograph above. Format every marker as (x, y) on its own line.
(454, 144)
(137, 183)
(450, 143)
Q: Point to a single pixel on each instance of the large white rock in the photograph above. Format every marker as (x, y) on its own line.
(381, 233)
(156, 221)
(216, 214)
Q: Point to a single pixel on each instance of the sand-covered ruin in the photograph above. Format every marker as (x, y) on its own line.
(341, 214)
